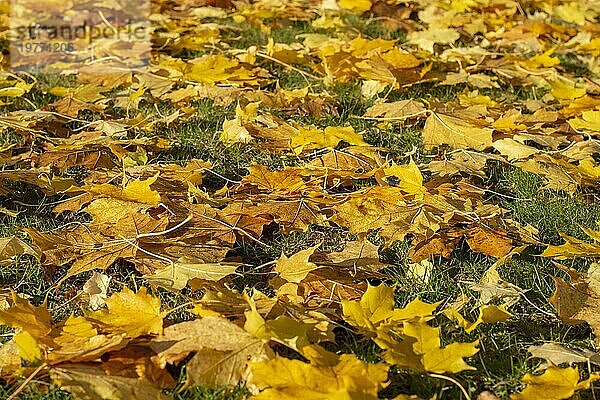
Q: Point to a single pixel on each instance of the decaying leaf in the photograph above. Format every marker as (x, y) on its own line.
(557, 354)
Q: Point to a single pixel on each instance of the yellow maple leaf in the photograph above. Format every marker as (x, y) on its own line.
(222, 350)
(234, 132)
(296, 267)
(136, 190)
(358, 6)
(310, 139)
(375, 306)
(348, 378)
(554, 384)
(514, 150)
(589, 121)
(425, 39)
(410, 177)
(564, 89)
(177, 275)
(91, 382)
(28, 346)
(21, 314)
(542, 60)
(487, 314)
(78, 340)
(420, 345)
(457, 133)
(574, 247)
(134, 314)
(286, 181)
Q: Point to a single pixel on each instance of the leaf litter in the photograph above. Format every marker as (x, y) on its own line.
(181, 233)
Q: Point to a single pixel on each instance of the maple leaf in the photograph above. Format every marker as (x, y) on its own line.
(21, 314)
(577, 301)
(457, 133)
(409, 176)
(398, 110)
(136, 190)
(75, 100)
(375, 306)
(275, 182)
(296, 267)
(91, 382)
(180, 272)
(487, 314)
(427, 38)
(493, 243)
(420, 348)
(554, 384)
(574, 247)
(589, 121)
(133, 314)
(564, 89)
(557, 354)
(77, 340)
(355, 5)
(348, 377)
(12, 247)
(514, 150)
(29, 349)
(310, 139)
(222, 350)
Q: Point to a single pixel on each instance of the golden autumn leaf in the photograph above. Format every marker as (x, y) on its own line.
(309, 139)
(276, 182)
(349, 377)
(29, 349)
(514, 150)
(36, 321)
(296, 267)
(136, 190)
(564, 89)
(133, 314)
(91, 382)
(487, 314)
(420, 345)
(177, 275)
(554, 384)
(410, 179)
(457, 133)
(375, 306)
(577, 302)
(222, 350)
(589, 121)
(427, 38)
(574, 247)
(355, 5)
(234, 132)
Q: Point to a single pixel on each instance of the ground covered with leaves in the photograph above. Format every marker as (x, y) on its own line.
(309, 200)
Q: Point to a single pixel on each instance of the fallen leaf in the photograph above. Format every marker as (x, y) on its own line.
(457, 133)
(296, 267)
(133, 314)
(554, 384)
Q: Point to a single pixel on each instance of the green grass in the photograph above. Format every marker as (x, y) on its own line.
(550, 212)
